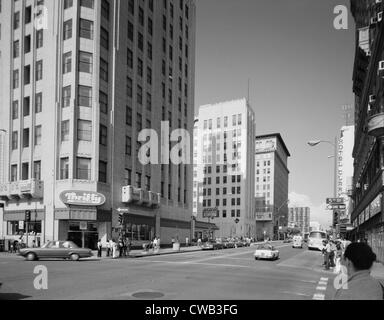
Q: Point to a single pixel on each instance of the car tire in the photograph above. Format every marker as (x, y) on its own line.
(31, 256)
(75, 257)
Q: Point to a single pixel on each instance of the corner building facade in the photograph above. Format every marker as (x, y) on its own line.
(368, 152)
(80, 80)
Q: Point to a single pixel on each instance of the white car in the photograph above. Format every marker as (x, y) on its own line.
(266, 251)
(297, 242)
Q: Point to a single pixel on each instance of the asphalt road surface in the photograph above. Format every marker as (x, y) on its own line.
(231, 274)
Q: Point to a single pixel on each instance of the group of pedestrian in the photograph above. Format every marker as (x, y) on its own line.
(114, 249)
(332, 251)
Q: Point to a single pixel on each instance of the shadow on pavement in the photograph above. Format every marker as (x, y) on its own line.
(13, 296)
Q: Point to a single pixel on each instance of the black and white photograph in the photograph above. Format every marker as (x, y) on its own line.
(192, 155)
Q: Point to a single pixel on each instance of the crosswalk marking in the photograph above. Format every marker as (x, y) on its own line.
(318, 296)
(321, 288)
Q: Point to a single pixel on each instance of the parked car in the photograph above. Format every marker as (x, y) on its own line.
(56, 249)
(212, 245)
(287, 240)
(239, 244)
(229, 244)
(266, 251)
(297, 242)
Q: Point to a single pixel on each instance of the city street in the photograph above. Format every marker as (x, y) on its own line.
(230, 274)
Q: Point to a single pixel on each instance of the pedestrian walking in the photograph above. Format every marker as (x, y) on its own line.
(155, 244)
(158, 243)
(121, 247)
(199, 242)
(114, 249)
(328, 251)
(339, 253)
(186, 241)
(99, 248)
(108, 246)
(358, 260)
(324, 252)
(332, 254)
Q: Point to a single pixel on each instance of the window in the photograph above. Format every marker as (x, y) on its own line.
(149, 75)
(105, 9)
(129, 87)
(85, 62)
(138, 180)
(149, 50)
(67, 30)
(140, 67)
(15, 110)
(25, 171)
(64, 168)
(104, 38)
(85, 96)
(16, 49)
(141, 16)
(139, 95)
(26, 138)
(38, 102)
(130, 58)
(127, 177)
(26, 107)
(64, 130)
(150, 26)
(149, 101)
(15, 137)
(103, 171)
(14, 172)
(67, 62)
(66, 96)
(37, 170)
(131, 6)
(16, 20)
(39, 38)
(147, 183)
(39, 70)
(68, 4)
(103, 139)
(140, 41)
(86, 3)
(130, 31)
(84, 130)
(83, 170)
(103, 101)
(27, 44)
(103, 70)
(128, 116)
(128, 146)
(37, 135)
(15, 79)
(139, 122)
(28, 15)
(86, 29)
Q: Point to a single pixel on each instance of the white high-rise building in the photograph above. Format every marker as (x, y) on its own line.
(224, 144)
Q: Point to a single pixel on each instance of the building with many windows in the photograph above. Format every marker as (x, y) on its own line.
(368, 152)
(271, 185)
(224, 168)
(299, 217)
(80, 80)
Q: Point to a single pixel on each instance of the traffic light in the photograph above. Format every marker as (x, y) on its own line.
(121, 218)
(27, 215)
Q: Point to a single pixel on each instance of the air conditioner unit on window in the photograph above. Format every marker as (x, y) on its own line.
(380, 16)
(373, 20)
(380, 70)
(378, 1)
(372, 98)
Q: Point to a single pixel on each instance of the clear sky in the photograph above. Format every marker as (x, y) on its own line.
(301, 74)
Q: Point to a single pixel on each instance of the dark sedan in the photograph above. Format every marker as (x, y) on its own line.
(213, 245)
(56, 249)
(229, 244)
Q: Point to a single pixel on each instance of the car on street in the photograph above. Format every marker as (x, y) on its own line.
(315, 240)
(266, 251)
(56, 249)
(229, 244)
(287, 240)
(212, 245)
(297, 242)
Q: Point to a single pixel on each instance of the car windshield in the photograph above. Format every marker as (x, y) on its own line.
(317, 235)
(264, 247)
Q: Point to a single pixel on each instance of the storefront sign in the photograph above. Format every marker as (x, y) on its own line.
(83, 225)
(210, 213)
(263, 216)
(82, 198)
(21, 225)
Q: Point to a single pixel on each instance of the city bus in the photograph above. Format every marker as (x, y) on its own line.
(315, 240)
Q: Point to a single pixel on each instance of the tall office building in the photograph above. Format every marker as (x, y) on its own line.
(224, 167)
(271, 185)
(368, 151)
(80, 80)
(299, 217)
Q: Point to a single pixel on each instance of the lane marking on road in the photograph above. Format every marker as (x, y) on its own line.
(323, 283)
(296, 293)
(318, 296)
(321, 288)
(324, 279)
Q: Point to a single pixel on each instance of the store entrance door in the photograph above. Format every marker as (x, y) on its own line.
(85, 235)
